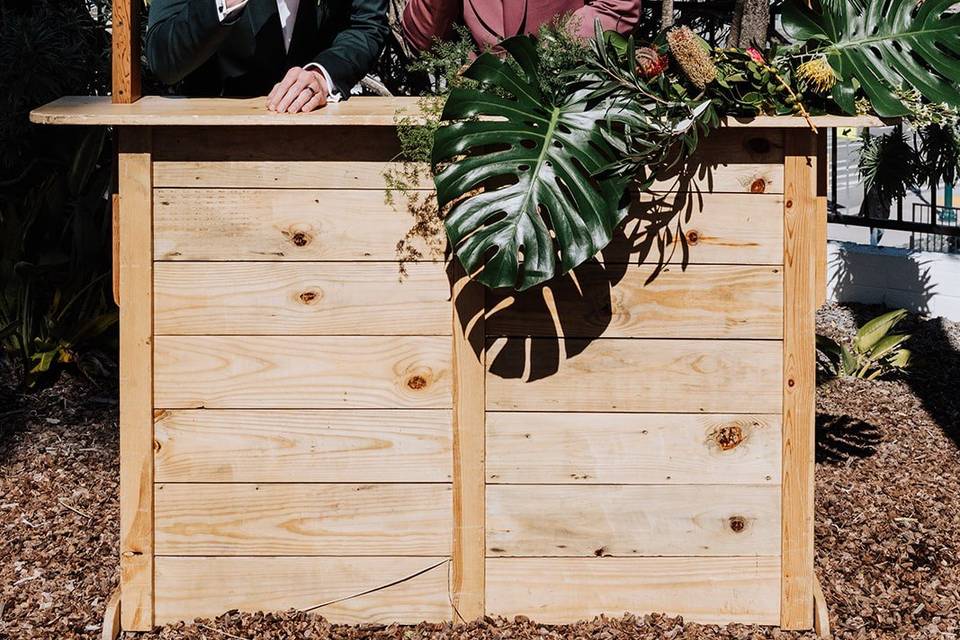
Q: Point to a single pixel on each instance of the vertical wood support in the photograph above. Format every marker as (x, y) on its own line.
(821, 274)
(799, 280)
(469, 445)
(136, 379)
(126, 51)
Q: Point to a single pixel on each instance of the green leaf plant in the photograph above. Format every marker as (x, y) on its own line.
(875, 351)
(876, 46)
(519, 173)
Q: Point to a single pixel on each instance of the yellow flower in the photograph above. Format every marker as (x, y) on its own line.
(818, 74)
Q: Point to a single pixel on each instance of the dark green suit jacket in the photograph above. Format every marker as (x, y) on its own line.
(245, 55)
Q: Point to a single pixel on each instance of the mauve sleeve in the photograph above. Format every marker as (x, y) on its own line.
(427, 20)
(615, 15)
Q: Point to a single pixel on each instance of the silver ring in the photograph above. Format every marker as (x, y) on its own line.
(312, 92)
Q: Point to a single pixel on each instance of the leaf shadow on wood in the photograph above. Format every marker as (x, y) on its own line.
(840, 438)
(531, 333)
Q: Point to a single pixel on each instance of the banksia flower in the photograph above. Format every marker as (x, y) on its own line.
(651, 63)
(693, 58)
(818, 74)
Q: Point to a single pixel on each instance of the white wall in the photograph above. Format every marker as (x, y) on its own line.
(919, 281)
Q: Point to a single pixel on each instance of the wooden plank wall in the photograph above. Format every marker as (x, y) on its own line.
(633, 430)
(303, 385)
(615, 441)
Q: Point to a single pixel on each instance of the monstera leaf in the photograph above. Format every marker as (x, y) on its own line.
(521, 174)
(882, 44)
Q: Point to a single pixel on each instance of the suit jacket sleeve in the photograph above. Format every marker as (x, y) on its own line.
(427, 20)
(182, 35)
(357, 45)
(614, 15)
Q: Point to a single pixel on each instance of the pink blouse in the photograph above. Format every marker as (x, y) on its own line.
(490, 21)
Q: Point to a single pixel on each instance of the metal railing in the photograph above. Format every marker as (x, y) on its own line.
(921, 223)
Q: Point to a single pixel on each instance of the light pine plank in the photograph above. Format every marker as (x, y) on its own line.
(467, 571)
(207, 587)
(717, 228)
(286, 372)
(257, 298)
(620, 301)
(198, 445)
(564, 590)
(799, 380)
(638, 520)
(136, 377)
(278, 225)
(682, 376)
(619, 448)
(366, 112)
(125, 53)
(303, 519)
(293, 174)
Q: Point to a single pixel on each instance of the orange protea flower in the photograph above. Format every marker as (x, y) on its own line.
(692, 56)
(818, 74)
(650, 62)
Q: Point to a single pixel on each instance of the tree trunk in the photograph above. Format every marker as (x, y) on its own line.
(666, 15)
(751, 18)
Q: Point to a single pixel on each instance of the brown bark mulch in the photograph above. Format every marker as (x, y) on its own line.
(888, 517)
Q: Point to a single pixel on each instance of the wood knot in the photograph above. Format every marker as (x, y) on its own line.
(300, 239)
(758, 145)
(728, 436)
(417, 382)
(737, 523)
(693, 237)
(156, 446)
(309, 297)
(758, 186)
(789, 204)
(791, 383)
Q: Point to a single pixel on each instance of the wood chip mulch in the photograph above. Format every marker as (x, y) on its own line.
(888, 517)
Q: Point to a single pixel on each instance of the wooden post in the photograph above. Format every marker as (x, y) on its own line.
(799, 279)
(136, 379)
(126, 51)
(469, 445)
(821, 274)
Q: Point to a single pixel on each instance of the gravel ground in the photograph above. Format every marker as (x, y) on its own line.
(888, 517)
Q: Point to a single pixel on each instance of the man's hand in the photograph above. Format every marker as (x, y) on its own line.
(300, 90)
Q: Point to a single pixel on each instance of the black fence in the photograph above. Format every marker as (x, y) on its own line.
(925, 224)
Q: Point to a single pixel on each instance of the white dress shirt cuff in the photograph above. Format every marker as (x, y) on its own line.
(333, 94)
(226, 14)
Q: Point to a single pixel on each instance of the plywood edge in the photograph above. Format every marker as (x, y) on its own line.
(110, 629)
(821, 616)
(361, 111)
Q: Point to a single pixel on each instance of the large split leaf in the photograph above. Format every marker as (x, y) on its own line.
(882, 44)
(521, 174)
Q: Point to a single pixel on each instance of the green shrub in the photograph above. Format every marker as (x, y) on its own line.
(55, 306)
(875, 351)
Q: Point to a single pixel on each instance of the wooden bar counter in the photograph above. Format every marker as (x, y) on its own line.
(305, 426)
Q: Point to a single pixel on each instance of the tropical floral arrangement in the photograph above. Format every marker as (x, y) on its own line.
(537, 145)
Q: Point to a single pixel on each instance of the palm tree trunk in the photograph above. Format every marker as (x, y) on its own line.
(666, 15)
(751, 19)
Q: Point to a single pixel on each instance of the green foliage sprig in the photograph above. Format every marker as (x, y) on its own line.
(874, 352)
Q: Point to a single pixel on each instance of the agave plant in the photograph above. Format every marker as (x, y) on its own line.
(520, 173)
(875, 351)
(878, 45)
